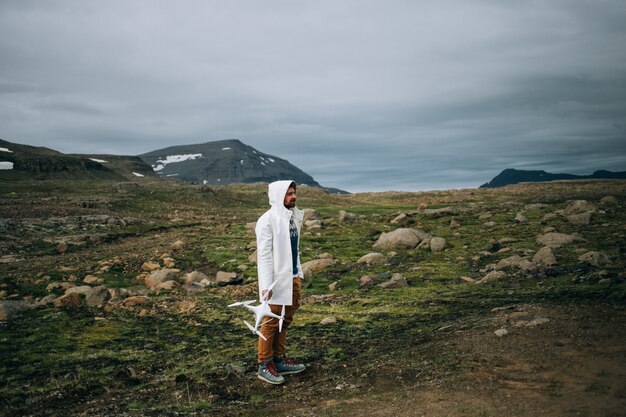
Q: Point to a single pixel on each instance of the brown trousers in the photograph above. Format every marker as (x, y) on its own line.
(274, 346)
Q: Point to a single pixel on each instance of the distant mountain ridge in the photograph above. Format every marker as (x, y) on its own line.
(223, 162)
(40, 163)
(513, 176)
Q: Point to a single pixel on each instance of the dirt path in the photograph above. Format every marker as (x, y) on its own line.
(572, 365)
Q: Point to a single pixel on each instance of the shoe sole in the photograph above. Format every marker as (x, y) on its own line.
(268, 381)
(292, 372)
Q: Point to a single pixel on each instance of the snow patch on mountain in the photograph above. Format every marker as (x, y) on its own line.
(170, 159)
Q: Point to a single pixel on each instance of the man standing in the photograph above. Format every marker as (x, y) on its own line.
(278, 260)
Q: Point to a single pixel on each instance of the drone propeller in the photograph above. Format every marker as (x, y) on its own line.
(251, 327)
(241, 303)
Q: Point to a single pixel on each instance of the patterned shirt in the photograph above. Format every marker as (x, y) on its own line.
(293, 234)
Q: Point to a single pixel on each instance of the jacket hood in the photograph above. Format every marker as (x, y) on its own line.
(276, 192)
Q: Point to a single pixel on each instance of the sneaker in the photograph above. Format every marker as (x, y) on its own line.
(268, 373)
(286, 366)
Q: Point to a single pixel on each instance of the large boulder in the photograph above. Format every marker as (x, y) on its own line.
(402, 238)
(159, 276)
(373, 258)
(597, 259)
(69, 300)
(396, 281)
(437, 244)
(555, 240)
(13, 308)
(579, 206)
(318, 264)
(311, 214)
(98, 296)
(544, 257)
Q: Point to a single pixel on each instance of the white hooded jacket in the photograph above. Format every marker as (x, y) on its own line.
(274, 260)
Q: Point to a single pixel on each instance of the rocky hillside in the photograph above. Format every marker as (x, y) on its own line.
(515, 176)
(30, 162)
(223, 162)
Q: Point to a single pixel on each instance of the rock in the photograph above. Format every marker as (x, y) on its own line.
(492, 277)
(544, 257)
(325, 255)
(81, 290)
(135, 301)
(310, 214)
(250, 226)
(328, 320)
(345, 217)
(608, 200)
(169, 262)
(391, 254)
(402, 238)
(555, 240)
(605, 281)
(485, 216)
(7, 259)
(167, 285)
(194, 287)
(501, 332)
(97, 296)
(158, 277)
(12, 308)
(597, 259)
(467, 279)
(489, 224)
(520, 218)
(514, 261)
(317, 264)
(313, 224)
(580, 219)
(59, 286)
(396, 281)
(150, 266)
(253, 258)
(549, 229)
(179, 244)
(334, 286)
(401, 218)
(47, 299)
(506, 239)
(194, 276)
(454, 224)
(117, 294)
(579, 206)
(62, 247)
(366, 281)
(373, 258)
(91, 280)
(548, 217)
(68, 300)
(227, 278)
(437, 244)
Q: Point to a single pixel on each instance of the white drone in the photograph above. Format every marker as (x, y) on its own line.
(260, 311)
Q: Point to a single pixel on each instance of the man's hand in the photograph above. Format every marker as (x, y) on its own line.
(263, 294)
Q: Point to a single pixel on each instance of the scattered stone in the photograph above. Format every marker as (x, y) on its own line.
(504, 250)
(313, 224)
(402, 238)
(12, 308)
(227, 278)
(501, 332)
(605, 281)
(391, 254)
(489, 224)
(467, 279)
(117, 294)
(520, 218)
(250, 226)
(47, 299)
(194, 276)
(581, 219)
(310, 214)
(91, 280)
(135, 301)
(328, 320)
(325, 255)
(597, 259)
(579, 206)
(334, 286)
(150, 266)
(194, 287)
(548, 217)
(169, 262)
(549, 229)
(506, 239)
(514, 261)
(608, 200)
(396, 281)
(62, 247)
(373, 258)
(401, 218)
(167, 285)
(253, 258)
(59, 286)
(492, 277)
(454, 224)
(159, 276)
(555, 240)
(485, 216)
(437, 244)
(317, 264)
(98, 296)
(179, 244)
(68, 300)
(366, 281)
(81, 290)
(544, 257)
(7, 259)
(345, 217)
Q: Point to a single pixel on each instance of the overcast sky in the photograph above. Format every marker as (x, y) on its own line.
(362, 95)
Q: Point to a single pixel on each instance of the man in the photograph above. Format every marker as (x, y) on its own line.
(278, 260)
